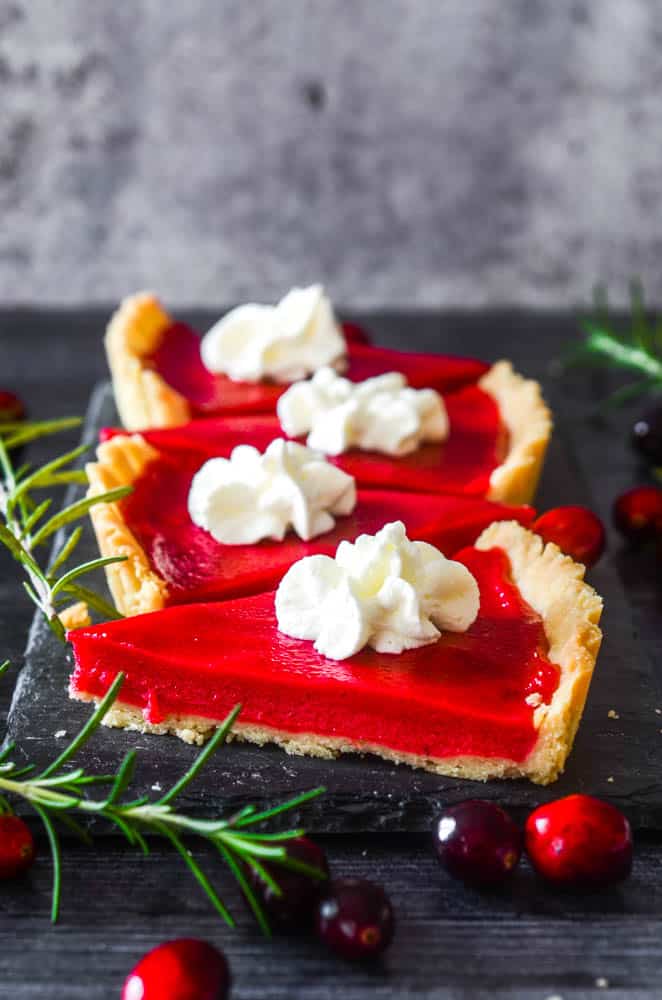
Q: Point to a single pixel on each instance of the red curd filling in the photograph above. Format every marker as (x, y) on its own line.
(462, 464)
(177, 360)
(463, 695)
(198, 568)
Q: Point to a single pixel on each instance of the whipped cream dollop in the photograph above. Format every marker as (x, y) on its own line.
(379, 414)
(382, 590)
(250, 496)
(284, 342)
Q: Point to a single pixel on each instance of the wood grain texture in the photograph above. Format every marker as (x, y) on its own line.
(526, 943)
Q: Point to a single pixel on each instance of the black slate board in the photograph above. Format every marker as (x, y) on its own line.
(364, 793)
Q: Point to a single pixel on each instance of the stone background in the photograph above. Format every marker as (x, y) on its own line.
(405, 152)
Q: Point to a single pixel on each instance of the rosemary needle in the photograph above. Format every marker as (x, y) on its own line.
(26, 524)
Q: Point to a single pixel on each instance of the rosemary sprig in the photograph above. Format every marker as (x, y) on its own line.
(55, 794)
(26, 524)
(636, 349)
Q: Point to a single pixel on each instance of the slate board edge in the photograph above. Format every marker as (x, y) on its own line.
(38, 627)
(338, 812)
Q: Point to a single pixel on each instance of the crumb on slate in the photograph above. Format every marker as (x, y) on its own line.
(613, 714)
(610, 779)
(60, 734)
(602, 982)
(156, 787)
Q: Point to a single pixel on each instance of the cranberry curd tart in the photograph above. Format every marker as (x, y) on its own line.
(338, 537)
(476, 667)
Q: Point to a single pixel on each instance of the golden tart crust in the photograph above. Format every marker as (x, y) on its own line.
(135, 587)
(143, 398)
(553, 585)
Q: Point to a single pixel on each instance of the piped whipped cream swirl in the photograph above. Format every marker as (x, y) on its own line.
(382, 591)
(252, 496)
(379, 414)
(284, 342)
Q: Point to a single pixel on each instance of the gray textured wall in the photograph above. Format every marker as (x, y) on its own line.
(404, 151)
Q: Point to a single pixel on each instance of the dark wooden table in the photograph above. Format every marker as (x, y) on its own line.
(526, 941)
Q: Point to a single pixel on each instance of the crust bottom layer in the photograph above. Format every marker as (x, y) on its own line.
(196, 730)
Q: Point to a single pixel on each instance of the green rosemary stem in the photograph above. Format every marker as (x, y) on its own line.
(57, 796)
(623, 354)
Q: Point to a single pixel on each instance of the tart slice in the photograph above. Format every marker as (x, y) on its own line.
(498, 435)
(173, 561)
(501, 699)
(160, 381)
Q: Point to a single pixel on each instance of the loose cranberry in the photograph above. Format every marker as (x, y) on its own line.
(295, 907)
(17, 847)
(647, 436)
(185, 969)
(579, 840)
(355, 918)
(356, 334)
(12, 407)
(576, 530)
(478, 842)
(638, 513)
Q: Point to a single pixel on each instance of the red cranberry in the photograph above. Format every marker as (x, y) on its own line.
(579, 840)
(356, 334)
(647, 436)
(295, 907)
(478, 842)
(638, 513)
(185, 969)
(355, 918)
(17, 847)
(576, 530)
(12, 407)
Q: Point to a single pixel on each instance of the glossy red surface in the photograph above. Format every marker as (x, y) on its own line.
(198, 568)
(579, 840)
(637, 513)
(17, 846)
(177, 360)
(465, 694)
(576, 530)
(184, 969)
(476, 445)
(12, 407)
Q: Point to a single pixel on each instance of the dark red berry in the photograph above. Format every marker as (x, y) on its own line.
(17, 847)
(579, 840)
(638, 513)
(478, 842)
(295, 907)
(356, 334)
(647, 436)
(185, 969)
(576, 530)
(355, 918)
(12, 407)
